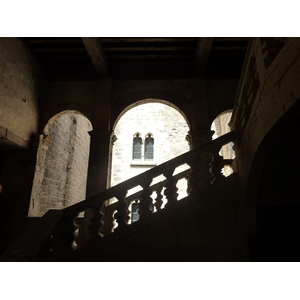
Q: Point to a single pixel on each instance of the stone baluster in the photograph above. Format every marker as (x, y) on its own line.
(64, 236)
(122, 212)
(171, 188)
(193, 177)
(159, 197)
(145, 199)
(74, 244)
(107, 219)
(95, 222)
(205, 170)
(217, 165)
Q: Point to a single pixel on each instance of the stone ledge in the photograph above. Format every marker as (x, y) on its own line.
(141, 164)
(8, 137)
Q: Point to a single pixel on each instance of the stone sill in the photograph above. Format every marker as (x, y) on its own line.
(143, 163)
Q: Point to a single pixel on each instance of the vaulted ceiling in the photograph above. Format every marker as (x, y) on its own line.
(138, 58)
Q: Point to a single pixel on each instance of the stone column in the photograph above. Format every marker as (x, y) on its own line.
(100, 150)
(99, 161)
(199, 137)
(98, 175)
(200, 132)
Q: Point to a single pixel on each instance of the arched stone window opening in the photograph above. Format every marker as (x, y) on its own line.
(149, 147)
(163, 130)
(137, 147)
(220, 127)
(62, 163)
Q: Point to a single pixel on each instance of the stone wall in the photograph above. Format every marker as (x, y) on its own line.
(62, 161)
(273, 91)
(278, 91)
(19, 92)
(20, 85)
(169, 130)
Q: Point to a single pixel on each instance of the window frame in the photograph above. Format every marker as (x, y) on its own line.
(137, 138)
(149, 138)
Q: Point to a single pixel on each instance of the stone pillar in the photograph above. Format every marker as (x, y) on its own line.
(100, 146)
(100, 150)
(197, 138)
(200, 132)
(98, 174)
(99, 161)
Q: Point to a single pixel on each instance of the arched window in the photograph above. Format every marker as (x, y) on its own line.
(149, 147)
(135, 212)
(137, 147)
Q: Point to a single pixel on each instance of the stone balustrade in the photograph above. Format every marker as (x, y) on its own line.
(205, 166)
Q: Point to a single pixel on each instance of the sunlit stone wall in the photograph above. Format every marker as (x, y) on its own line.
(169, 130)
(62, 162)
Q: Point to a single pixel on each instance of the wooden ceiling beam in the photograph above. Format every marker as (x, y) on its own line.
(149, 57)
(73, 58)
(202, 55)
(125, 49)
(54, 41)
(60, 50)
(96, 52)
(229, 48)
(231, 39)
(146, 39)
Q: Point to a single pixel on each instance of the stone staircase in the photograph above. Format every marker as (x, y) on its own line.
(278, 202)
(198, 228)
(203, 226)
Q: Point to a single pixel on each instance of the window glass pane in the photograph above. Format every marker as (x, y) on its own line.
(135, 212)
(149, 148)
(137, 148)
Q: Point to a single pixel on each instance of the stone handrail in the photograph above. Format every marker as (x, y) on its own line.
(157, 187)
(205, 166)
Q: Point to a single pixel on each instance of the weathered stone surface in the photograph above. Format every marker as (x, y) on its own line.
(18, 90)
(62, 179)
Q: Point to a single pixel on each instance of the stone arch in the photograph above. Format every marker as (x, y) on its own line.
(62, 163)
(79, 108)
(220, 123)
(136, 133)
(149, 134)
(169, 128)
(150, 100)
(121, 150)
(252, 182)
(274, 180)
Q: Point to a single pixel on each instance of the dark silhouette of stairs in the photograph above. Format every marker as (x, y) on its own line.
(278, 202)
(200, 227)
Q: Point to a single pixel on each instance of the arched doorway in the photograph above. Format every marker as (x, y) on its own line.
(62, 162)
